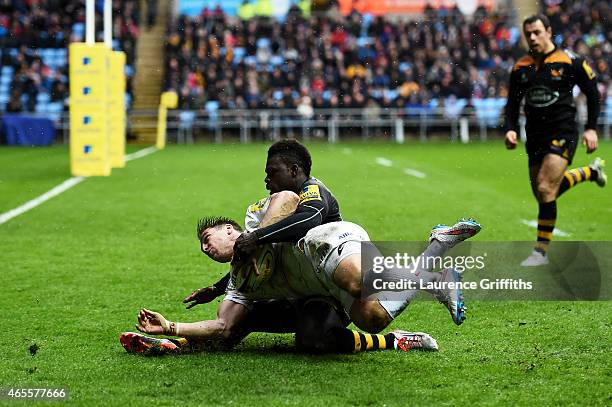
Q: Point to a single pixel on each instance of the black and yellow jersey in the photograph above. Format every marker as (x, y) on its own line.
(317, 206)
(547, 87)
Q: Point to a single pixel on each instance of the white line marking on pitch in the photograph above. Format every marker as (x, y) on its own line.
(141, 153)
(69, 183)
(414, 173)
(384, 162)
(64, 186)
(408, 171)
(534, 224)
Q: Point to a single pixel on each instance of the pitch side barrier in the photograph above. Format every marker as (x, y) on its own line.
(333, 124)
(578, 271)
(183, 126)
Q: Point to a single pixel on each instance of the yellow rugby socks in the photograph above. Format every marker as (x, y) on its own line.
(547, 217)
(576, 176)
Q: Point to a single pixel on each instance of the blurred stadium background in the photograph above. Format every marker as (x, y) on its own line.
(264, 69)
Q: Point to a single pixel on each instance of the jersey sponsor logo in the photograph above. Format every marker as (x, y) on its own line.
(258, 206)
(310, 193)
(345, 234)
(588, 70)
(340, 248)
(541, 96)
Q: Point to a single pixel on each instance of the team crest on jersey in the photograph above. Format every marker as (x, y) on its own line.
(248, 276)
(258, 206)
(557, 74)
(558, 143)
(310, 193)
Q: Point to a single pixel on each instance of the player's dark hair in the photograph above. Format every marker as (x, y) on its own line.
(292, 152)
(533, 18)
(214, 221)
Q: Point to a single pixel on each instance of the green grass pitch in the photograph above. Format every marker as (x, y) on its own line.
(76, 269)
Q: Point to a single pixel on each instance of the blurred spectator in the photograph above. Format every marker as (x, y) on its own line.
(585, 27)
(268, 64)
(305, 108)
(14, 105)
(351, 61)
(33, 32)
(151, 13)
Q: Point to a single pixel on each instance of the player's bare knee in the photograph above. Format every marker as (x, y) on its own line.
(353, 287)
(372, 317)
(348, 275)
(546, 191)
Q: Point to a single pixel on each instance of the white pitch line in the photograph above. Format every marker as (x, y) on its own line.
(384, 162)
(534, 224)
(414, 173)
(64, 186)
(140, 153)
(69, 183)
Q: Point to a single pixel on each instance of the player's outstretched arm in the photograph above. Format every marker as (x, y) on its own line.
(152, 322)
(225, 327)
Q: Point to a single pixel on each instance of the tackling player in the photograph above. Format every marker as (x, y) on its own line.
(287, 169)
(545, 79)
(329, 249)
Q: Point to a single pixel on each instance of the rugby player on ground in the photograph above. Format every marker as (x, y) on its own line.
(287, 169)
(309, 268)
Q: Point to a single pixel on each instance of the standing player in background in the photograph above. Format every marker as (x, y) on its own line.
(545, 78)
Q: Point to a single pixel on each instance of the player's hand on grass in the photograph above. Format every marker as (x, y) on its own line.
(202, 296)
(511, 139)
(152, 322)
(589, 139)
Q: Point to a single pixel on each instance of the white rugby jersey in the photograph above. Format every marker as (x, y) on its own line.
(293, 275)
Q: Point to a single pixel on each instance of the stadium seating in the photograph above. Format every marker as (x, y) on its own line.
(33, 86)
(446, 56)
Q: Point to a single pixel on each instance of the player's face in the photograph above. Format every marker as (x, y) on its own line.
(538, 37)
(279, 176)
(218, 243)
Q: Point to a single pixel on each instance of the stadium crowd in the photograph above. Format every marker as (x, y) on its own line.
(323, 61)
(586, 28)
(34, 36)
(359, 61)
